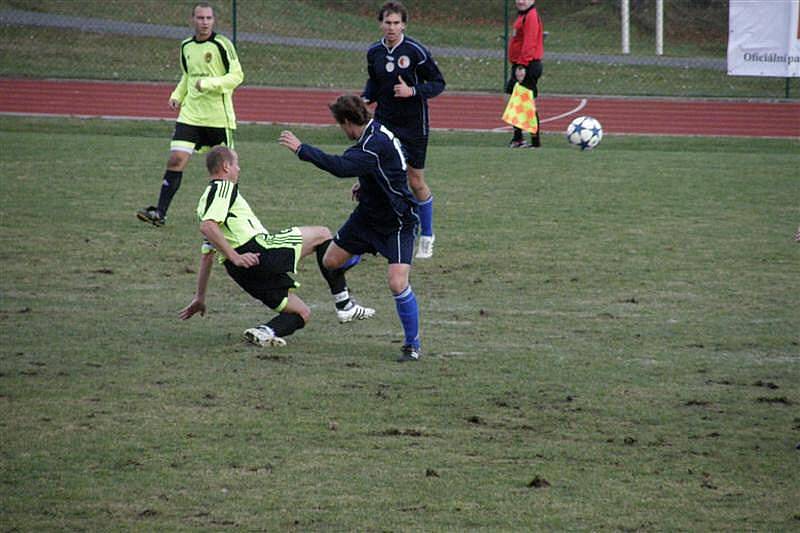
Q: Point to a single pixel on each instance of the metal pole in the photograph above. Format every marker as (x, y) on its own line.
(626, 21)
(659, 27)
(505, 43)
(234, 21)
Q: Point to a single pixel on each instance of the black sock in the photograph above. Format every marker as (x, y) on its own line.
(335, 278)
(286, 323)
(171, 184)
(517, 135)
(536, 139)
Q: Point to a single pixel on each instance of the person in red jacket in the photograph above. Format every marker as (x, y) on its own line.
(525, 52)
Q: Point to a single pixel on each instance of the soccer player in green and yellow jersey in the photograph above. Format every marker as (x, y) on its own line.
(261, 262)
(204, 96)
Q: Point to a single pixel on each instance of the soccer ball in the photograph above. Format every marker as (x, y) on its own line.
(584, 132)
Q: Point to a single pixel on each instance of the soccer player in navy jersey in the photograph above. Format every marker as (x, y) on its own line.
(385, 219)
(210, 72)
(402, 77)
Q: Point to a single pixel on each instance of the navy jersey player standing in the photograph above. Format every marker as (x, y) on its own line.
(385, 219)
(402, 77)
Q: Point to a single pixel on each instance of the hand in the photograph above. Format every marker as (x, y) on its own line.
(245, 260)
(198, 86)
(197, 306)
(519, 73)
(174, 104)
(402, 90)
(289, 140)
(355, 192)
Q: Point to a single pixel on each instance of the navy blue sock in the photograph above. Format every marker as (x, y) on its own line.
(170, 185)
(408, 311)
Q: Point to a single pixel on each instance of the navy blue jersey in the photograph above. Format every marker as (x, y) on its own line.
(385, 200)
(406, 117)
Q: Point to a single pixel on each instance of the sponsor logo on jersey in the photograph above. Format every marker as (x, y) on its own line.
(208, 57)
(403, 62)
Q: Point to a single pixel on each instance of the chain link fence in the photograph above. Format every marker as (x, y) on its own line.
(322, 43)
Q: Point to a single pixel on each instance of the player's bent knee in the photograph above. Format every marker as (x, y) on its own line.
(398, 277)
(332, 262)
(398, 284)
(177, 161)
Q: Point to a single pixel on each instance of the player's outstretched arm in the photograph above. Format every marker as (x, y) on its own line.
(198, 303)
(352, 163)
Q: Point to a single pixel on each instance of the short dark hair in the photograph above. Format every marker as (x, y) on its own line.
(350, 107)
(393, 7)
(202, 4)
(217, 156)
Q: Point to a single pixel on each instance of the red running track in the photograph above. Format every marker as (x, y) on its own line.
(451, 110)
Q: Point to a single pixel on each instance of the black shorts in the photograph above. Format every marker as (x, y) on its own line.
(532, 74)
(269, 280)
(189, 138)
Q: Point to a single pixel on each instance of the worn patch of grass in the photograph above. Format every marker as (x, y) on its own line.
(610, 343)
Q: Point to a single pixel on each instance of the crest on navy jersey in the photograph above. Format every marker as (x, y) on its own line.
(403, 62)
(390, 66)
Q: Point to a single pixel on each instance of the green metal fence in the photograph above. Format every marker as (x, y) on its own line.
(321, 43)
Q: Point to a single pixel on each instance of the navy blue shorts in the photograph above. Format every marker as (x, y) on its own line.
(358, 237)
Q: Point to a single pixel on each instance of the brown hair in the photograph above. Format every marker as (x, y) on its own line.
(217, 156)
(350, 107)
(393, 7)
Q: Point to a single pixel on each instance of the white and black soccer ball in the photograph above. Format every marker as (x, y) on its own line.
(585, 132)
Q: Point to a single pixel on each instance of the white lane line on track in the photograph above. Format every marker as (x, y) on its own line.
(580, 106)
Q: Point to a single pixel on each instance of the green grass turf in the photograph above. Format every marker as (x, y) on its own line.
(574, 26)
(610, 343)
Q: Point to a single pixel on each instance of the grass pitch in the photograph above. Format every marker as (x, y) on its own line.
(610, 341)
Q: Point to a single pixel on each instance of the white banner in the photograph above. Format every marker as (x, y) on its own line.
(764, 38)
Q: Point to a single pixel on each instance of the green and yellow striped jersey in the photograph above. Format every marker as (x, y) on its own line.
(214, 61)
(222, 203)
